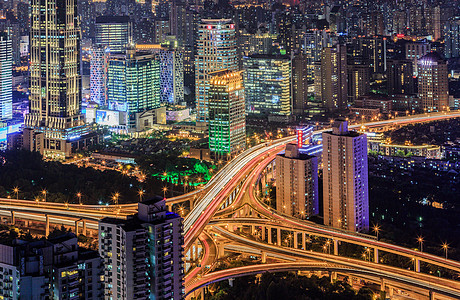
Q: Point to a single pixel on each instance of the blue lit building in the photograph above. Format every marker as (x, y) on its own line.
(6, 79)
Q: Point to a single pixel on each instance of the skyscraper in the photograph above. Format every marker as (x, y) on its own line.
(267, 83)
(297, 183)
(400, 77)
(433, 88)
(452, 38)
(216, 50)
(227, 124)
(345, 180)
(133, 84)
(314, 42)
(143, 255)
(358, 82)
(300, 83)
(331, 78)
(98, 75)
(6, 78)
(55, 83)
(114, 33)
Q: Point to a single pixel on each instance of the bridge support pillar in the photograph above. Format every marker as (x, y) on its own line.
(270, 237)
(336, 247)
(333, 277)
(432, 295)
(169, 206)
(263, 233)
(47, 225)
(264, 257)
(417, 265)
(202, 293)
(278, 236)
(390, 292)
(76, 226)
(252, 230)
(382, 289)
(13, 219)
(230, 281)
(296, 240)
(376, 255)
(220, 250)
(84, 228)
(304, 241)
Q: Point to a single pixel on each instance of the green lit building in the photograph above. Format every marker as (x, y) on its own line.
(133, 85)
(227, 123)
(267, 84)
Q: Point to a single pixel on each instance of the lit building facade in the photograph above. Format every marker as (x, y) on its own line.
(313, 43)
(267, 83)
(143, 255)
(171, 76)
(114, 33)
(400, 77)
(55, 82)
(452, 38)
(345, 178)
(133, 84)
(358, 82)
(416, 50)
(331, 87)
(227, 122)
(98, 75)
(6, 79)
(433, 86)
(216, 50)
(297, 183)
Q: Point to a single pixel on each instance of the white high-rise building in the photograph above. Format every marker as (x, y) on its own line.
(345, 180)
(143, 255)
(216, 51)
(6, 78)
(98, 75)
(297, 183)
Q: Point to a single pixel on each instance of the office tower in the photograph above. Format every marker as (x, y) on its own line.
(331, 78)
(267, 83)
(433, 88)
(171, 62)
(216, 50)
(345, 183)
(114, 33)
(177, 20)
(358, 82)
(400, 77)
(13, 30)
(314, 42)
(371, 51)
(143, 255)
(415, 50)
(98, 75)
(227, 123)
(300, 83)
(258, 43)
(161, 29)
(55, 83)
(6, 79)
(297, 183)
(53, 268)
(452, 38)
(133, 84)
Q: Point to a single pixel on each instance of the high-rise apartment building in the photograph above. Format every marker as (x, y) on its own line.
(371, 51)
(415, 50)
(133, 84)
(297, 183)
(115, 33)
(313, 43)
(299, 83)
(267, 84)
(216, 50)
(433, 85)
(6, 78)
(452, 38)
(400, 77)
(345, 180)
(55, 83)
(358, 82)
(227, 123)
(55, 268)
(143, 255)
(331, 78)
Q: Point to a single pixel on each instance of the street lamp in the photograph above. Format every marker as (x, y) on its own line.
(376, 229)
(44, 194)
(420, 242)
(164, 192)
(16, 191)
(141, 193)
(115, 198)
(445, 246)
(79, 198)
